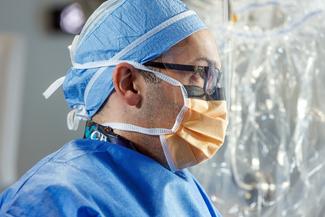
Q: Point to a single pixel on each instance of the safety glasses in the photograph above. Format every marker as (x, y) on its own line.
(211, 75)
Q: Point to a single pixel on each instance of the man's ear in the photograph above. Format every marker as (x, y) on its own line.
(126, 84)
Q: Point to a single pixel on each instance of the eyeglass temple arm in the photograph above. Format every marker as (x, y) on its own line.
(180, 67)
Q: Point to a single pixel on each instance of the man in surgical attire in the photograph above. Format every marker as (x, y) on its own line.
(145, 75)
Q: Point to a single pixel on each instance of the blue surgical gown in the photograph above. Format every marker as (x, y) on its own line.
(94, 178)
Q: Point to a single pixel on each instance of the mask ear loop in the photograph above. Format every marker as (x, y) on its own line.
(154, 131)
(178, 122)
(75, 116)
(174, 82)
(179, 117)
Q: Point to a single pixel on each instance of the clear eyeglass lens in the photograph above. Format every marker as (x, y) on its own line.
(213, 80)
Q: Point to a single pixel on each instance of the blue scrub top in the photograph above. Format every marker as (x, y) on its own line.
(94, 178)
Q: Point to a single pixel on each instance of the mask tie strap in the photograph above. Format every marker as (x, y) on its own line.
(75, 116)
(53, 87)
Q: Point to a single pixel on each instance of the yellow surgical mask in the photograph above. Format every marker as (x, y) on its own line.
(199, 136)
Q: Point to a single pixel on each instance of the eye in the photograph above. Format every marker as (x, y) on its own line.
(196, 80)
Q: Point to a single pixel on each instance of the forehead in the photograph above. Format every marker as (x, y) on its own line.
(195, 49)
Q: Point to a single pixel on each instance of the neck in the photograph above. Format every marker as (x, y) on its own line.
(145, 144)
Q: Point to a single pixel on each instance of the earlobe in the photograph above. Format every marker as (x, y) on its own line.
(124, 79)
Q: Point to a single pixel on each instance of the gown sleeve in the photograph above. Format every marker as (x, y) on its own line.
(53, 200)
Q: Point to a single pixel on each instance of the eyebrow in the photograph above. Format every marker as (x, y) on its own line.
(209, 61)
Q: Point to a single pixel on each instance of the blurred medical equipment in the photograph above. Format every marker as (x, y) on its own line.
(272, 164)
(65, 18)
(11, 71)
(70, 18)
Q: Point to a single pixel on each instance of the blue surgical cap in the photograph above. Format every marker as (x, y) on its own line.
(122, 30)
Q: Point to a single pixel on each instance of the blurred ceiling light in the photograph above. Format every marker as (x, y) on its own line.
(72, 19)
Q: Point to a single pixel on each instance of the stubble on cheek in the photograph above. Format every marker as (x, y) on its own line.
(164, 103)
